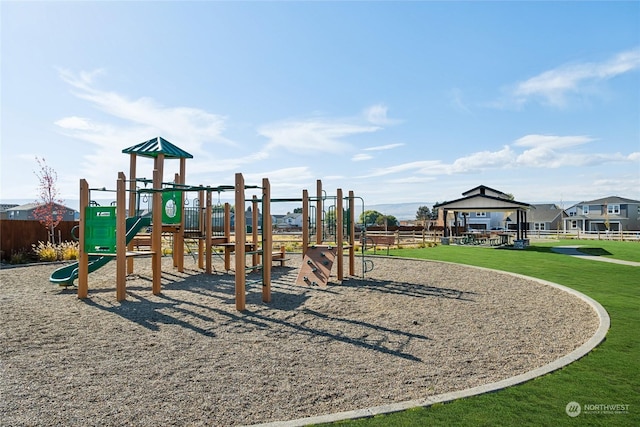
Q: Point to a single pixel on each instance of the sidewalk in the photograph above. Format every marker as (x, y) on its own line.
(574, 252)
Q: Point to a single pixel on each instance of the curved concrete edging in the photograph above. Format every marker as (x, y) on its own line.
(576, 354)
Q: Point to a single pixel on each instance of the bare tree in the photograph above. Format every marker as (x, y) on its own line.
(48, 210)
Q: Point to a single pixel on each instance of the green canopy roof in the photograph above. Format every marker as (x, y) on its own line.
(157, 146)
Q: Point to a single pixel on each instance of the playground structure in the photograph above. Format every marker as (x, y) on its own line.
(109, 232)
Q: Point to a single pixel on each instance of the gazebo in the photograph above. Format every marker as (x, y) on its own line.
(485, 199)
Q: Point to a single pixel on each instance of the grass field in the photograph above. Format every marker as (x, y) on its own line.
(609, 375)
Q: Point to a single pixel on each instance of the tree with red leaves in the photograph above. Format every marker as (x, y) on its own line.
(48, 210)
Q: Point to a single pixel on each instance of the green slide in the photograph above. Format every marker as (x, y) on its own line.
(64, 276)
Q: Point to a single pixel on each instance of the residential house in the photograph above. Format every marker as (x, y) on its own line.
(4, 207)
(248, 215)
(544, 217)
(611, 213)
(290, 220)
(26, 212)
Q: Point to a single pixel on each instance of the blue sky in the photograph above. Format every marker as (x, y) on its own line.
(398, 101)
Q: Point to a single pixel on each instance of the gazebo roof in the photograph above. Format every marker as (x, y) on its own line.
(157, 146)
(479, 201)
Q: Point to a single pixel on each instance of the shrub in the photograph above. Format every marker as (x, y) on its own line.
(69, 250)
(19, 257)
(45, 251)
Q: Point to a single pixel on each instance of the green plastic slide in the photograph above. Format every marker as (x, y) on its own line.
(64, 276)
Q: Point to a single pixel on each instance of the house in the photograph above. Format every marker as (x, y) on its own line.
(248, 215)
(26, 212)
(4, 207)
(611, 213)
(541, 217)
(290, 220)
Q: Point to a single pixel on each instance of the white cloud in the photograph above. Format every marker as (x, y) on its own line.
(377, 115)
(384, 147)
(361, 157)
(75, 123)
(552, 141)
(191, 126)
(476, 162)
(425, 167)
(412, 180)
(550, 151)
(554, 86)
(365, 156)
(312, 136)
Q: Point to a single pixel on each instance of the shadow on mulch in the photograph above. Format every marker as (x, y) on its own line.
(151, 312)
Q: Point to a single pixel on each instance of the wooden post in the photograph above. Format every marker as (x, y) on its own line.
(240, 232)
(121, 239)
(352, 234)
(267, 240)
(156, 232)
(305, 222)
(319, 230)
(178, 239)
(340, 234)
(83, 257)
(209, 227)
(132, 203)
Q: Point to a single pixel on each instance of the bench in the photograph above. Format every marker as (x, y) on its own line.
(380, 240)
(279, 256)
(144, 241)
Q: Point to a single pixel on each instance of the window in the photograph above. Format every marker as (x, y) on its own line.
(574, 224)
(572, 213)
(613, 209)
(538, 226)
(481, 214)
(585, 210)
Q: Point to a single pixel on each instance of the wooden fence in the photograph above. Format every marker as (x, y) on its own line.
(18, 236)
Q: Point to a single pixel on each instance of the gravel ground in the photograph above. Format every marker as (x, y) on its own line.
(410, 330)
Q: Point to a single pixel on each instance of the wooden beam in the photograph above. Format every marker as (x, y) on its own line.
(156, 233)
(83, 257)
(240, 232)
(319, 230)
(267, 240)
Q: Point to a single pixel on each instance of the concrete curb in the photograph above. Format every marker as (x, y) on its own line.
(578, 353)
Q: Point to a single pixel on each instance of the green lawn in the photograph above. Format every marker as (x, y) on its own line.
(608, 375)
